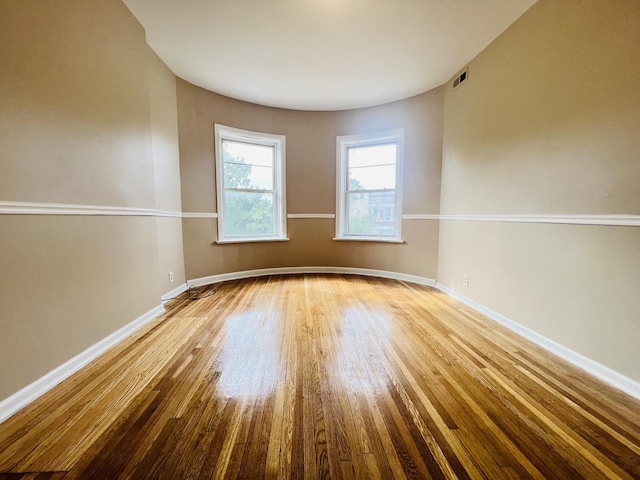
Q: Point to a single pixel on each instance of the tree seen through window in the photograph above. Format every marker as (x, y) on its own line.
(249, 208)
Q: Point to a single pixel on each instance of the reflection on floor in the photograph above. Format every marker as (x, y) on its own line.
(325, 376)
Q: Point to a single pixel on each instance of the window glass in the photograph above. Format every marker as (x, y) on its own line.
(248, 213)
(371, 214)
(250, 181)
(368, 202)
(247, 165)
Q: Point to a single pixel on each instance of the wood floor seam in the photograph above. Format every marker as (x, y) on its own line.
(314, 376)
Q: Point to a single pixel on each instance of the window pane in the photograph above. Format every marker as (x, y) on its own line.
(372, 167)
(372, 178)
(371, 214)
(247, 165)
(372, 155)
(249, 214)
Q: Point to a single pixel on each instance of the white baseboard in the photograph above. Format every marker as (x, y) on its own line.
(198, 282)
(600, 371)
(28, 394)
(31, 392)
(174, 293)
(596, 369)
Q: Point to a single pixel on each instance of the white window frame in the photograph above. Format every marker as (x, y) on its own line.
(278, 142)
(343, 143)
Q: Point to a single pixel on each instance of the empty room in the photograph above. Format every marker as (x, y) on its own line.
(319, 239)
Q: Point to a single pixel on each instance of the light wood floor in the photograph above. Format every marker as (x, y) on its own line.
(315, 376)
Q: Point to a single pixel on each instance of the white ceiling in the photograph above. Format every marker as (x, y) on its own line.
(321, 54)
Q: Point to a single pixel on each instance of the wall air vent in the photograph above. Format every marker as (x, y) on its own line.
(461, 77)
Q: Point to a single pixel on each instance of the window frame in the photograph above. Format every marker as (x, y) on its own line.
(343, 144)
(278, 143)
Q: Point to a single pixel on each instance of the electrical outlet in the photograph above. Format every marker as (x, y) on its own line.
(465, 280)
(171, 276)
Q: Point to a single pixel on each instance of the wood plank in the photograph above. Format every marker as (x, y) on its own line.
(324, 376)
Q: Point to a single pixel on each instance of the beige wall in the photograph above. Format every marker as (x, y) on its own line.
(88, 117)
(549, 123)
(311, 183)
(166, 172)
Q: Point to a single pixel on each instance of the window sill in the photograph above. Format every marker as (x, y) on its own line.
(251, 240)
(367, 239)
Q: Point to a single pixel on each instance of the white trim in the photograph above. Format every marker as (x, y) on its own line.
(420, 216)
(252, 240)
(31, 392)
(610, 220)
(367, 239)
(279, 188)
(311, 215)
(596, 369)
(223, 277)
(30, 208)
(600, 371)
(199, 215)
(174, 293)
(168, 214)
(34, 208)
(343, 143)
(28, 394)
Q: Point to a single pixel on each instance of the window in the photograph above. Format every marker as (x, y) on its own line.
(369, 186)
(250, 185)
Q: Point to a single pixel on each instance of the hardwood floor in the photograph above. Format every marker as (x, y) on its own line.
(318, 376)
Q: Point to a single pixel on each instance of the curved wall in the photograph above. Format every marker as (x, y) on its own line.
(310, 183)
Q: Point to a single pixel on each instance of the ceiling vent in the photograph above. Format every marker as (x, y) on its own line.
(461, 77)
